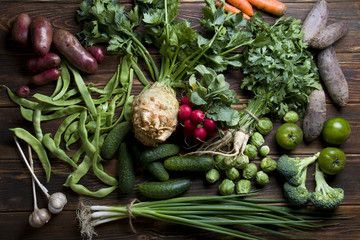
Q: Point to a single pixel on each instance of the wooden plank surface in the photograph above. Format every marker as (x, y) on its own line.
(15, 187)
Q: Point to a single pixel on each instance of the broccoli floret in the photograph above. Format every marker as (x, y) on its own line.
(292, 168)
(324, 195)
(297, 194)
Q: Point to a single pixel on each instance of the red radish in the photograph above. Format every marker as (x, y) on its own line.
(22, 91)
(186, 100)
(188, 124)
(200, 134)
(184, 112)
(209, 124)
(212, 133)
(197, 116)
(187, 132)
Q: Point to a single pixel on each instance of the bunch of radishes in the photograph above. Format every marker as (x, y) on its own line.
(194, 122)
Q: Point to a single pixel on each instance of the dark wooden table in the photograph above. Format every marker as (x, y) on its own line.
(15, 185)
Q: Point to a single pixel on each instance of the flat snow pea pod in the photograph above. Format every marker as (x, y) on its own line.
(61, 103)
(37, 121)
(82, 190)
(19, 100)
(26, 113)
(73, 139)
(82, 169)
(77, 154)
(65, 76)
(113, 82)
(127, 108)
(83, 91)
(124, 73)
(38, 148)
(63, 126)
(101, 174)
(139, 74)
(89, 148)
(72, 92)
(111, 109)
(73, 127)
(59, 84)
(56, 151)
(64, 112)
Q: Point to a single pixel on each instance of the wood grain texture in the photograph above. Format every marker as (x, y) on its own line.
(15, 187)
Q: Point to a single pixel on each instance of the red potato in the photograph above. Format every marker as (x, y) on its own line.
(41, 35)
(315, 115)
(46, 76)
(97, 53)
(20, 30)
(333, 77)
(22, 91)
(315, 20)
(40, 63)
(329, 35)
(70, 47)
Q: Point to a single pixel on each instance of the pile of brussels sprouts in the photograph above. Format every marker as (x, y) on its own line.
(239, 171)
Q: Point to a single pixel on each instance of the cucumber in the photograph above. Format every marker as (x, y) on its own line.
(155, 168)
(126, 169)
(157, 153)
(164, 190)
(113, 139)
(191, 163)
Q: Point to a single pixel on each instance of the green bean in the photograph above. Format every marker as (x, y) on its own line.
(113, 82)
(65, 76)
(73, 139)
(63, 126)
(73, 127)
(66, 111)
(103, 192)
(19, 100)
(139, 74)
(26, 113)
(121, 103)
(50, 109)
(111, 109)
(61, 103)
(89, 148)
(77, 154)
(83, 91)
(56, 151)
(80, 171)
(70, 94)
(127, 108)
(125, 65)
(59, 84)
(37, 121)
(38, 148)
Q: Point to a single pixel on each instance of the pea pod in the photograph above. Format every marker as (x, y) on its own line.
(60, 103)
(58, 152)
(59, 85)
(19, 100)
(63, 126)
(65, 77)
(89, 148)
(72, 128)
(63, 112)
(38, 148)
(80, 189)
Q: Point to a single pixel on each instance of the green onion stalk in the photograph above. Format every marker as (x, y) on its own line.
(211, 213)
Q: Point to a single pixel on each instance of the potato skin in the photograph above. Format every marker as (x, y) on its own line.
(333, 77)
(315, 115)
(70, 47)
(329, 35)
(97, 53)
(41, 35)
(46, 76)
(315, 20)
(20, 30)
(40, 63)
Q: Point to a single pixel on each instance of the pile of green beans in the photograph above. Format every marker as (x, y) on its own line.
(88, 114)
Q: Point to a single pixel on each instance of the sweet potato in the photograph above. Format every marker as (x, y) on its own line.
(20, 30)
(70, 47)
(97, 53)
(46, 76)
(41, 35)
(40, 63)
(315, 20)
(329, 35)
(332, 76)
(315, 115)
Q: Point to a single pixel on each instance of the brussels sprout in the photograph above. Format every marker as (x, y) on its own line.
(264, 150)
(226, 187)
(229, 162)
(257, 139)
(212, 175)
(291, 117)
(249, 171)
(251, 151)
(243, 186)
(268, 164)
(241, 161)
(264, 125)
(219, 162)
(262, 178)
(232, 173)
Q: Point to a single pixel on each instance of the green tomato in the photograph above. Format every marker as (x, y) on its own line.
(332, 160)
(289, 136)
(336, 130)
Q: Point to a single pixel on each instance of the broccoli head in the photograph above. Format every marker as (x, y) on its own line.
(292, 168)
(297, 194)
(324, 195)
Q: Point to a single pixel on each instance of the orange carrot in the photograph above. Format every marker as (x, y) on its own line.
(230, 8)
(271, 6)
(243, 5)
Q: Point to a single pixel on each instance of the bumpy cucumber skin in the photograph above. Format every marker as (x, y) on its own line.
(113, 139)
(157, 153)
(190, 163)
(126, 169)
(164, 190)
